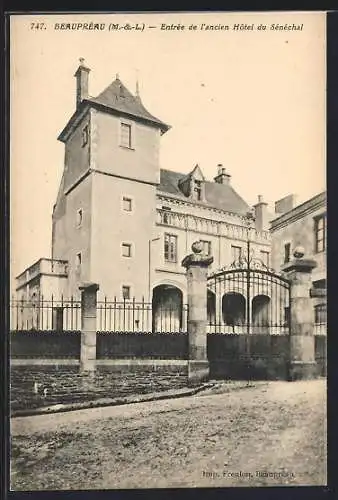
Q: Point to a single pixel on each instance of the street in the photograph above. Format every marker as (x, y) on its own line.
(271, 434)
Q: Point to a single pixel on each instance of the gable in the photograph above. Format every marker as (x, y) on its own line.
(196, 174)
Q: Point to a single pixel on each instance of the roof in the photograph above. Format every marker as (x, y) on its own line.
(221, 196)
(116, 98)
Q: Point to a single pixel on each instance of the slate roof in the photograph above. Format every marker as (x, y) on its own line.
(116, 96)
(222, 196)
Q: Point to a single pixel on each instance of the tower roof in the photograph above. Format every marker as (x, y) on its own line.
(117, 99)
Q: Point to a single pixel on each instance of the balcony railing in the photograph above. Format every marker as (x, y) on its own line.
(43, 266)
(200, 224)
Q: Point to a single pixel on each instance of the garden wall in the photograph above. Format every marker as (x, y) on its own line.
(45, 365)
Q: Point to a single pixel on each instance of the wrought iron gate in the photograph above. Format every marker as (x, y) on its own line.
(248, 297)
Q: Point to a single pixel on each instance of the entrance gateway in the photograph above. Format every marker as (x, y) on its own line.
(248, 297)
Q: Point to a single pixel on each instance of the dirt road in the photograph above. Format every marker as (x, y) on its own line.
(274, 433)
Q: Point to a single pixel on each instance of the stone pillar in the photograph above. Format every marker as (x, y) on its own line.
(197, 265)
(302, 347)
(88, 326)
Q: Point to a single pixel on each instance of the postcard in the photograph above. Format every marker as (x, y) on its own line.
(168, 250)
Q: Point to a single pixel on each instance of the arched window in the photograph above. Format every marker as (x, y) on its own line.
(233, 309)
(167, 308)
(261, 311)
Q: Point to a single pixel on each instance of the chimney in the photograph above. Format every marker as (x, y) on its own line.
(261, 215)
(222, 177)
(81, 76)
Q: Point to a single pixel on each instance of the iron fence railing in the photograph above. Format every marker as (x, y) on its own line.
(140, 316)
(112, 316)
(42, 314)
(227, 315)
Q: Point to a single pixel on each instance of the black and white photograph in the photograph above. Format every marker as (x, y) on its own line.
(167, 250)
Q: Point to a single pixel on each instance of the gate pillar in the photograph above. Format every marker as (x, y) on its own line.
(197, 265)
(302, 364)
(88, 326)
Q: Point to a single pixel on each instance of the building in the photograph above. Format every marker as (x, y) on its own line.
(303, 225)
(123, 222)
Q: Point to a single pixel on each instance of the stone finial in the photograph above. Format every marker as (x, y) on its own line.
(299, 252)
(198, 257)
(137, 90)
(299, 263)
(197, 247)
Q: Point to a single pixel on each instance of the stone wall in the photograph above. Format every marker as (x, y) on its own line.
(42, 375)
(38, 385)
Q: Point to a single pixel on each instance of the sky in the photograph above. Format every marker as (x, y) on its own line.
(253, 100)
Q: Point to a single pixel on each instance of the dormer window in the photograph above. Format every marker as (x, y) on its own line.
(192, 185)
(198, 190)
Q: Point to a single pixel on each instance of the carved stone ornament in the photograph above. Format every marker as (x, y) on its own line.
(299, 252)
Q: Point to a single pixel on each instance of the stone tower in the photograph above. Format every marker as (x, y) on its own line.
(104, 215)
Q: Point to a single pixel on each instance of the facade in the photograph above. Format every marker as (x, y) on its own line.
(123, 222)
(303, 225)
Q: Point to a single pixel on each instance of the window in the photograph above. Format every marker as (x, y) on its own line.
(320, 233)
(170, 247)
(126, 292)
(126, 135)
(85, 135)
(198, 190)
(78, 262)
(79, 215)
(236, 253)
(165, 215)
(265, 258)
(320, 314)
(206, 247)
(127, 204)
(287, 251)
(126, 249)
